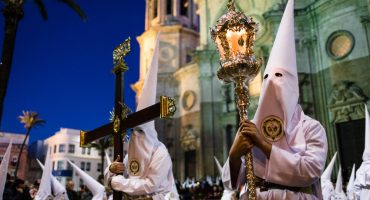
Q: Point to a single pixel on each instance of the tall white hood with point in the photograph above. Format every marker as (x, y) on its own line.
(144, 137)
(4, 168)
(280, 91)
(58, 189)
(94, 186)
(44, 191)
(350, 185)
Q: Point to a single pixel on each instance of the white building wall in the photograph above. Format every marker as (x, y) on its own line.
(64, 145)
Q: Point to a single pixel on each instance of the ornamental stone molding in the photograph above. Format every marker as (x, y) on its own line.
(189, 139)
(347, 102)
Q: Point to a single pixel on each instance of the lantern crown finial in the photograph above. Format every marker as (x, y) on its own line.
(231, 5)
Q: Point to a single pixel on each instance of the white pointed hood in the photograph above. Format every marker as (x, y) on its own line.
(4, 168)
(339, 193)
(350, 185)
(44, 191)
(209, 180)
(363, 173)
(326, 175)
(219, 167)
(94, 186)
(186, 183)
(227, 194)
(339, 183)
(280, 92)
(366, 154)
(326, 184)
(144, 137)
(58, 189)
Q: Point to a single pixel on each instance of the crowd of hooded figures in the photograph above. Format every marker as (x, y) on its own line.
(207, 188)
(190, 189)
(202, 189)
(358, 186)
(19, 189)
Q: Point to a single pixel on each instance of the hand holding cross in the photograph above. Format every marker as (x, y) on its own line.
(117, 167)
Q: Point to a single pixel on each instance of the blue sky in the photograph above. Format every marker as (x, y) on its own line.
(62, 67)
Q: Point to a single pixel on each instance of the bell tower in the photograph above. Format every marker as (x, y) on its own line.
(171, 12)
(177, 22)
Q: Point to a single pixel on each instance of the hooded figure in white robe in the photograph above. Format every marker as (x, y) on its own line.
(298, 143)
(339, 193)
(44, 192)
(93, 185)
(326, 185)
(350, 186)
(4, 168)
(227, 194)
(58, 189)
(362, 181)
(148, 163)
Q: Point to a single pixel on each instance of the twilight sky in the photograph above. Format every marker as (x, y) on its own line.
(62, 67)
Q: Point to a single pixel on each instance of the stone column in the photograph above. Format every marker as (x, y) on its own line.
(176, 8)
(147, 6)
(162, 11)
(194, 16)
(203, 26)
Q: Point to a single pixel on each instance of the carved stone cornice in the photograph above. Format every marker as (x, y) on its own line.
(347, 102)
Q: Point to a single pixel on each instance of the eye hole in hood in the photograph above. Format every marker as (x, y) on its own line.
(138, 130)
(277, 74)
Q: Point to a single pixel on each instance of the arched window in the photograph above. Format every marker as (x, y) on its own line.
(169, 7)
(184, 7)
(155, 8)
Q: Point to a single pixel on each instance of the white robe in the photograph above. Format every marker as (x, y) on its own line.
(299, 164)
(362, 181)
(157, 179)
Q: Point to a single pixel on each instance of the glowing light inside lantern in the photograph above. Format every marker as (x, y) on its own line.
(237, 41)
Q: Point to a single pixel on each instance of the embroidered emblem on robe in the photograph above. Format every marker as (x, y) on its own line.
(272, 128)
(134, 167)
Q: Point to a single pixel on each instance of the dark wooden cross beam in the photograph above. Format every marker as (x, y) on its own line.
(121, 120)
(162, 109)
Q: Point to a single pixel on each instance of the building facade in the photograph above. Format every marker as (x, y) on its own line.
(36, 150)
(17, 140)
(333, 48)
(65, 145)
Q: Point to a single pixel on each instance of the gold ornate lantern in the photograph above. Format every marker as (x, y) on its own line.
(234, 35)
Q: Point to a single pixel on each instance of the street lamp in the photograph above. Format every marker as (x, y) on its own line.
(234, 35)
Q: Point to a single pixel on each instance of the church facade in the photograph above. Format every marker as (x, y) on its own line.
(333, 49)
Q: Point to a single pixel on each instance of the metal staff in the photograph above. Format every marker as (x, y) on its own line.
(234, 35)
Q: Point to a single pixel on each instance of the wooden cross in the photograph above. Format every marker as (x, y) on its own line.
(122, 120)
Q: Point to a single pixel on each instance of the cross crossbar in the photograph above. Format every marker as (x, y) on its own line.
(164, 109)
